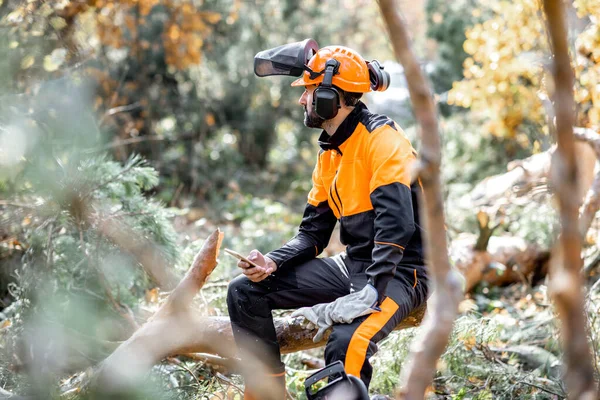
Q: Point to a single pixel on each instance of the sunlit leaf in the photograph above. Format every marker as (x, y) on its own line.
(54, 60)
(58, 23)
(27, 61)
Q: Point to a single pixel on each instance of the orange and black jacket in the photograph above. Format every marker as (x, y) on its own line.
(362, 179)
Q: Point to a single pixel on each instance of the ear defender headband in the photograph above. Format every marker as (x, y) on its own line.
(380, 79)
(326, 98)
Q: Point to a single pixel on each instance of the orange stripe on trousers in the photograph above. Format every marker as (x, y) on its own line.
(359, 343)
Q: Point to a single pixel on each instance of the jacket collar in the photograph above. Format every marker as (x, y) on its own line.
(344, 131)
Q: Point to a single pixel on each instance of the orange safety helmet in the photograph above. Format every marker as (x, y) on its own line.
(353, 73)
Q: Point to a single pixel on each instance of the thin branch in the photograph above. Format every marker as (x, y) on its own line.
(225, 379)
(566, 280)
(49, 248)
(18, 205)
(175, 361)
(125, 108)
(589, 267)
(562, 396)
(135, 140)
(109, 180)
(115, 94)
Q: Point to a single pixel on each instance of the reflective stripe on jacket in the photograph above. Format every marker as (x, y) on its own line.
(362, 179)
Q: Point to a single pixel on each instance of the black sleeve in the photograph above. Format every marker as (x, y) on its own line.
(390, 156)
(394, 226)
(313, 236)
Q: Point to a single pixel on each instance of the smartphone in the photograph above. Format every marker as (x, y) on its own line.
(242, 258)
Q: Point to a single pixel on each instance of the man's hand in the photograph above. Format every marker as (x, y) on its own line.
(317, 316)
(344, 309)
(257, 274)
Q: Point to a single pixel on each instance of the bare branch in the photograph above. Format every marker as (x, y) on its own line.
(566, 280)
(446, 282)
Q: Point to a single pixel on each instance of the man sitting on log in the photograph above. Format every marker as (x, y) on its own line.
(362, 179)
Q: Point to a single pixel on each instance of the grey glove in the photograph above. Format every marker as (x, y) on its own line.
(317, 317)
(343, 310)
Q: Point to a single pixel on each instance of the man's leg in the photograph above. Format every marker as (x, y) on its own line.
(321, 280)
(355, 343)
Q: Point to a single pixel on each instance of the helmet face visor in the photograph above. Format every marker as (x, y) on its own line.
(288, 59)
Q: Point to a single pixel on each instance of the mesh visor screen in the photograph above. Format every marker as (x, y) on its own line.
(288, 59)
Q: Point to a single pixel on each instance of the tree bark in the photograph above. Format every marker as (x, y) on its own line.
(446, 283)
(566, 281)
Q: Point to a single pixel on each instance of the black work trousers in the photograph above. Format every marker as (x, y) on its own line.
(322, 280)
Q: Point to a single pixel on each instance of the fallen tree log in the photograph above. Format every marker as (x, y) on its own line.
(506, 260)
(178, 329)
(524, 175)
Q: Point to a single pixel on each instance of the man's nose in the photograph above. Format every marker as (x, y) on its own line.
(302, 99)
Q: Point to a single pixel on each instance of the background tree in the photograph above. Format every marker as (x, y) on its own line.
(506, 78)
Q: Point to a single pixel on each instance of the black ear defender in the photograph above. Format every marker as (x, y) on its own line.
(326, 98)
(380, 79)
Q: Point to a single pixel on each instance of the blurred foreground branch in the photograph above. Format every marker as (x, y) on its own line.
(566, 280)
(446, 283)
(145, 252)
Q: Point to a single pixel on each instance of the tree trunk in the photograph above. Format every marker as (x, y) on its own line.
(566, 281)
(445, 282)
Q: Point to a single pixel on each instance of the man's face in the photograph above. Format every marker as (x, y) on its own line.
(311, 119)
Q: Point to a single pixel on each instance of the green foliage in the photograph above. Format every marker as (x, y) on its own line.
(388, 361)
(74, 284)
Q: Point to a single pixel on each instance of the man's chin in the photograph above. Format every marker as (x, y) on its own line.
(313, 121)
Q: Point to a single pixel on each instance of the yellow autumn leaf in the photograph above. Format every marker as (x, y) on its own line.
(483, 218)
(58, 23)
(54, 60)
(27, 62)
(211, 17)
(210, 119)
(470, 46)
(152, 295)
